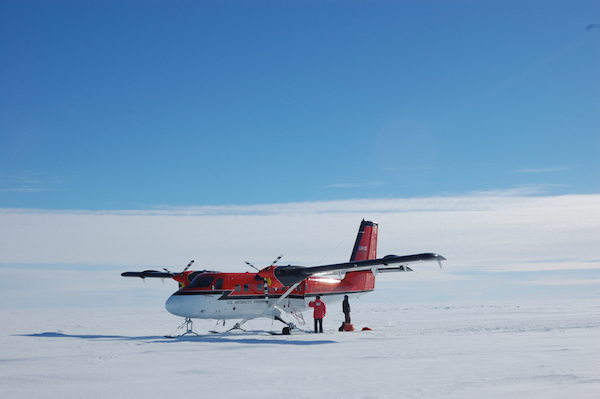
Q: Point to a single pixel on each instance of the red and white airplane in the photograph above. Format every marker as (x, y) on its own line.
(276, 291)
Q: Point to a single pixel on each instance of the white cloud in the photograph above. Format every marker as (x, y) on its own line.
(590, 281)
(29, 182)
(544, 170)
(355, 185)
(484, 231)
(23, 190)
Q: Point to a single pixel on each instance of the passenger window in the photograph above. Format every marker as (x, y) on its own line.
(219, 283)
(260, 287)
(246, 287)
(237, 288)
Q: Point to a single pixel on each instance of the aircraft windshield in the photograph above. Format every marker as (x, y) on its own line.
(202, 281)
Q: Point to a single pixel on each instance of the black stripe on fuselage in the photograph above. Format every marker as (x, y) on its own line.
(314, 294)
(186, 292)
(226, 295)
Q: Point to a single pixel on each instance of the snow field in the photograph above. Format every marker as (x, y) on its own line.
(499, 350)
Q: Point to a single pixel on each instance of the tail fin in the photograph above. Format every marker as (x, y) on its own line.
(365, 246)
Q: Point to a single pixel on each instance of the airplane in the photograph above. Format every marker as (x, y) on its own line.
(276, 292)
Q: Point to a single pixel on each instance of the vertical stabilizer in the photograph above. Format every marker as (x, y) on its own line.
(365, 246)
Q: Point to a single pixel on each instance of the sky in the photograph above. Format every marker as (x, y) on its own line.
(131, 131)
(143, 104)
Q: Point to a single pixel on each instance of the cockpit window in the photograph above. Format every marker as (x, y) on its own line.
(202, 281)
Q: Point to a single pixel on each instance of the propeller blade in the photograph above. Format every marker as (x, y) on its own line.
(252, 266)
(276, 260)
(188, 266)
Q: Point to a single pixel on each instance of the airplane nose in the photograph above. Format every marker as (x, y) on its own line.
(173, 305)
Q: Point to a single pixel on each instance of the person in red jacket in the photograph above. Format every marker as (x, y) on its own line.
(319, 313)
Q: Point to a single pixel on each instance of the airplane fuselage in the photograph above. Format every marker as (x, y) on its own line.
(241, 295)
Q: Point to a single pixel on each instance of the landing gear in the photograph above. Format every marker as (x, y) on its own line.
(288, 329)
(188, 324)
(237, 327)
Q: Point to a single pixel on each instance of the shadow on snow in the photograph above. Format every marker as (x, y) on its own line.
(229, 338)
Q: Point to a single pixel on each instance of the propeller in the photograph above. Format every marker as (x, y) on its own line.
(187, 267)
(252, 266)
(276, 260)
(183, 271)
(155, 273)
(256, 268)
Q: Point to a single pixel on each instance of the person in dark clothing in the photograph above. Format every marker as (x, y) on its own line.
(346, 309)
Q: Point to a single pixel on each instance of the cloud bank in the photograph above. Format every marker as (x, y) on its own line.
(499, 246)
(488, 231)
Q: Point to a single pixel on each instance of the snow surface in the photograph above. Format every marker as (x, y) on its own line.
(477, 350)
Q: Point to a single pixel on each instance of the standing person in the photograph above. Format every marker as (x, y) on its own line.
(346, 309)
(319, 313)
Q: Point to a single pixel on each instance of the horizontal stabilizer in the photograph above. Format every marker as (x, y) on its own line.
(394, 269)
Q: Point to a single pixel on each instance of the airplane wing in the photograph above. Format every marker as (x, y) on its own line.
(290, 275)
(148, 273)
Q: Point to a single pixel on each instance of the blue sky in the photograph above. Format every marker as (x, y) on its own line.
(143, 104)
